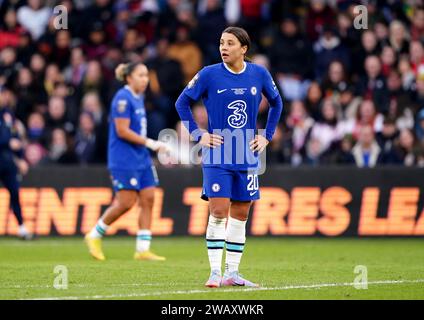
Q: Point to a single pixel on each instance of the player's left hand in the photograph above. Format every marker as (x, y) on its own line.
(258, 144)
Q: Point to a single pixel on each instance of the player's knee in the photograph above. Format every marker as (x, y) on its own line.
(219, 211)
(147, 201)
(126, 204)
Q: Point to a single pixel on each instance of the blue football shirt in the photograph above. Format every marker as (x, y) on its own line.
(232, 103)
(123, 155)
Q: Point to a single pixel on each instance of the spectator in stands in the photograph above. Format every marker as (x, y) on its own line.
(93, 81)
(417, 27)
(291, 59)
(313, 152)
(61, 51)
(329, 48)
(366, 116)
(51, 77)
(75, 71)
(381, 30)
(319, 15)
(275, 151)
(325, 131)
(373, 85)
(335, 81)
(133, 41)
(386, 138)
(186, 52)
(85, 139)
(95, 47)
(340, 152)
(10, 30)
(407, 74)
(314, 98)
(26, 48)
(401, 107)
(91, 103)
(349, 35)
(416, 53)
(8, 67)
(419, 126)
(291, 53)
(407, 148)
(36, 125)
(34, 154)
(366, 151)
(24, 84)
(61, 149)
(418, 92)
(211, 24)
(369, 47)
(166, 82)
(56, 116)
(298, 125)
(349, 103)
(34, 17)
(398, 37)
(388, 60)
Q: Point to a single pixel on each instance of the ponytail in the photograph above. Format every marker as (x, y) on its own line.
(123, 70)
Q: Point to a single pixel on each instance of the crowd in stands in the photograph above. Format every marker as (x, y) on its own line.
(352, 94)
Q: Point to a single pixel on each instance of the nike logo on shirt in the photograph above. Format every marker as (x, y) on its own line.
(221, 91)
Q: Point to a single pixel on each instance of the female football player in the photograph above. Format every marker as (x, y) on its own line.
(133, 175)
(231, 91)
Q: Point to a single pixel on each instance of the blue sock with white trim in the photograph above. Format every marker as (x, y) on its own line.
(99, 230)
(215, 240)
(144, 237)
(235, 240)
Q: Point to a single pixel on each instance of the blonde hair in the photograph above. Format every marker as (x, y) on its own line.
(123, 70)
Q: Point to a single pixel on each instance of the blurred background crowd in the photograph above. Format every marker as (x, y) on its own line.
(351, 96)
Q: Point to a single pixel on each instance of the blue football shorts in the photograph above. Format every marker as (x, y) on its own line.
(238, 185)
(134, 180)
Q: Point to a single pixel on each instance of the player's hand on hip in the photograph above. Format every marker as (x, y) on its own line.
(157, 146)
(211, 140)
(258, 144)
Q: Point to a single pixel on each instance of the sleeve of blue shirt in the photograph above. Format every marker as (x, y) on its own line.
(121, 107)
(270, 91)
(193, 92)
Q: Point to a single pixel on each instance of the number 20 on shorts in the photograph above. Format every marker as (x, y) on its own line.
(253, 182)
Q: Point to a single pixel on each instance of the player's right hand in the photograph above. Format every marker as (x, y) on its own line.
(211, 140)
(15, 144)
(157, 146)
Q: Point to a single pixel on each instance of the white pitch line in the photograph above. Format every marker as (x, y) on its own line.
(182, 292)
(18, 286)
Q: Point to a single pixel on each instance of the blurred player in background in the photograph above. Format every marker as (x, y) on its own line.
(132, 171)
(12, 164)
(231, 92)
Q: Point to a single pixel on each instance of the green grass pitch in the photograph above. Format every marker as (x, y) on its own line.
(287, 268)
